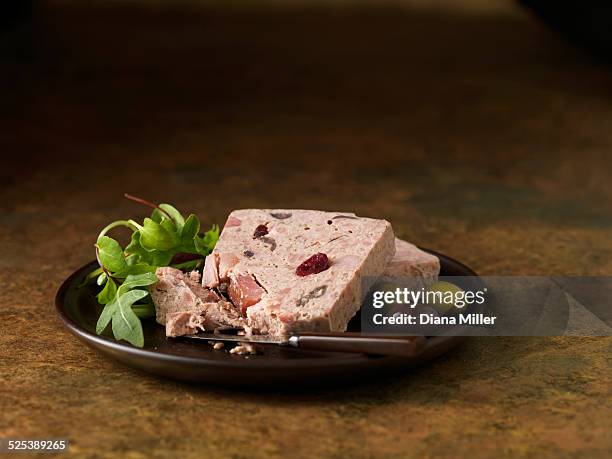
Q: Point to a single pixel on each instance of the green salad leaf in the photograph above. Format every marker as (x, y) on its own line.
(190, 230)
(164, 239)
(108, 293)
(110, 254)
(158, 236)
(166, 210)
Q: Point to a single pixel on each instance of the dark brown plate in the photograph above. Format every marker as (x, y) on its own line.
(198, 362)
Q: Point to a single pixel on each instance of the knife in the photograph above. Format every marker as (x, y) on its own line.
(398, 346)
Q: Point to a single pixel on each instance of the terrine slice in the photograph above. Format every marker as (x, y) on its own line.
(257, 258)
(410, 261)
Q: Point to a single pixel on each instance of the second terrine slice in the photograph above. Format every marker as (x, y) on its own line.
(411, 262)
(296, 270)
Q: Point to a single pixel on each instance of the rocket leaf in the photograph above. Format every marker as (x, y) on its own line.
(108, 293)
(126, 324)
(190, 229)
(153, 236)
(110, 254)
(124, 273)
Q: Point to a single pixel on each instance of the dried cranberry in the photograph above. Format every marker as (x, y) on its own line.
(315, 264)
(260, 231)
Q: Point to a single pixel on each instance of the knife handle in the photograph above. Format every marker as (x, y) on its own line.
(399, 346)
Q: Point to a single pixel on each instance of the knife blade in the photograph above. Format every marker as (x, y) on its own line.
(399, 346)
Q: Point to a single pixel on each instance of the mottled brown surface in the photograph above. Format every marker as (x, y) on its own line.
(482, 136)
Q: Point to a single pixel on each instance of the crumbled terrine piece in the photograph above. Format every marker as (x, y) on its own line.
(180, 293)
(260, 267)
(221, 314)
(176, 291)
(183, 323)
(210, 277)
(410, 261)
(243, 348)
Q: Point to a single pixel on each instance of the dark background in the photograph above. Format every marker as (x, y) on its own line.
(476, 129)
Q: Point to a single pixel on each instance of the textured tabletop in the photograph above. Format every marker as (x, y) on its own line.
(479, 134)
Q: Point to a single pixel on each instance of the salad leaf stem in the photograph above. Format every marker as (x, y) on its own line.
(131, 224)
(149, 204)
